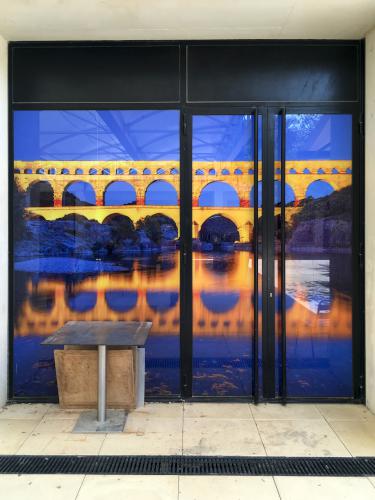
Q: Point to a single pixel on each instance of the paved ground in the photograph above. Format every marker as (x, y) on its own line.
(193, 429)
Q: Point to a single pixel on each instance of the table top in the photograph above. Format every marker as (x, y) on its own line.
(112, 333)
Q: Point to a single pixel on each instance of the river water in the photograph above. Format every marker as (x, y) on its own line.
(51, 291)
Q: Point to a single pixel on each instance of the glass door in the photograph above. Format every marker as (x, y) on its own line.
(225, 170)
(272, 256)
(313, 210)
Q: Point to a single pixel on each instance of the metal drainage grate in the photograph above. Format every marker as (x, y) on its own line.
(184, 465)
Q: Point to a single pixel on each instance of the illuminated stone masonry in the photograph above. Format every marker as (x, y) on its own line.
(141, 174)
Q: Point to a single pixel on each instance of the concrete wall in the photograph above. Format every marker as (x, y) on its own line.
(3, 221)
(370, 219)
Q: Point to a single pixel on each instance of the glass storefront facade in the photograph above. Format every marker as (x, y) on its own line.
(232, 224)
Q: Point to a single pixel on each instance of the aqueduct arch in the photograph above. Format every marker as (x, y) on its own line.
(40, 194)
(119, 193)
(161, 192)
(218, 194)
(78, 193)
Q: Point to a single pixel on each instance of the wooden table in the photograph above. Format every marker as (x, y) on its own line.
(102, 334)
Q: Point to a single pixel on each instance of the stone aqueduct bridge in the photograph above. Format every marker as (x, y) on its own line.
(141, 174)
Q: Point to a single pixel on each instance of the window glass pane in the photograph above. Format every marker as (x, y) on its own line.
(223, 268)
(319, 254)
(96, 229)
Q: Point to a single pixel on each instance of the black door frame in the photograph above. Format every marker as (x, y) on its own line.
(270, 369)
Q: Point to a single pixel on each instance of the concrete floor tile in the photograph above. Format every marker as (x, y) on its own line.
(166, 410)
(151, 443)
(24, 411)
(40, 487)
(143, 424)
(62, 444)
(13, 433)
(211, 436)
(345, 412)
(357, 435)
(129, 488)
(227, 487)
(325, 488)
(217, 410)
(300, 438)
(55, 412)
(287, 412)
(54, 426)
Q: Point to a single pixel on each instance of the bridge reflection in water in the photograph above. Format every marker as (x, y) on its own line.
(319, 329)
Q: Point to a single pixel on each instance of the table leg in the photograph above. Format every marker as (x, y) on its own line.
(101, 420)
(140, 376)
(102, 355)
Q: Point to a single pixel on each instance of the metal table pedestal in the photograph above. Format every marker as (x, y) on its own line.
(101, 420)
(131, 334)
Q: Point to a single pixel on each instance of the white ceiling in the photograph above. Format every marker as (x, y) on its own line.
(184, 19)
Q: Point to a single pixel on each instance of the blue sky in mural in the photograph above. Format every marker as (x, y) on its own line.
(218, 194)
(224, 138)
(318, 137)
(120, 193)
(318, 189)
(82, 191)
(161, 193)
(96, 135)
(154, 135)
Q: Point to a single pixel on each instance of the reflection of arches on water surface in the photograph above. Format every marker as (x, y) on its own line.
(42, 302)
(161, 193)
(78, 193)
(217, 229)
(119, 193)
(121, 300)
(39, 194)
(218, 194)
(220, 302)
(162, 301)
(81, 301)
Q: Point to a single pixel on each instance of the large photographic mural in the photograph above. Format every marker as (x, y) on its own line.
(96, 237)
(96, 220)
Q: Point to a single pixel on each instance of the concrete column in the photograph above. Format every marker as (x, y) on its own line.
(370, 220)
(3, 220)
